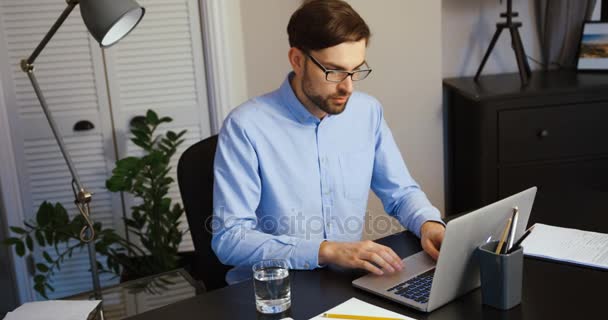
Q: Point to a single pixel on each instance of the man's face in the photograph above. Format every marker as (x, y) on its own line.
(331, 97)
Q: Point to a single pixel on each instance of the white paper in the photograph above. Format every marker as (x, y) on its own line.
(355, 306)
(568, 245)
(54, 309)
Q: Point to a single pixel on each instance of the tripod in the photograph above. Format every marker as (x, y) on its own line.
(518, 48)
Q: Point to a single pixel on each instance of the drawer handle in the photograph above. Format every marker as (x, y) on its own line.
(543, 133)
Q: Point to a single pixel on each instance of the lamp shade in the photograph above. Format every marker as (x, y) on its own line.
(110, 20)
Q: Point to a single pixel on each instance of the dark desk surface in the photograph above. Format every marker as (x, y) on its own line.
(550, 291)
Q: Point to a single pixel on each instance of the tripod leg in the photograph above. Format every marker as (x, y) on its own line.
(520, 55)
(490, 48)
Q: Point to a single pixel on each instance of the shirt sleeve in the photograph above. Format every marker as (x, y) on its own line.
(236, 195)
(391, 181)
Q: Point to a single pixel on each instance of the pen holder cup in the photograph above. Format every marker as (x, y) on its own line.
(501, 276)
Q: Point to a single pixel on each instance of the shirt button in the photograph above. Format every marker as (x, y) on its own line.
(306, 265)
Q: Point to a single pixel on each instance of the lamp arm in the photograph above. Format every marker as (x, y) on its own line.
(54, 129)
(28, 64)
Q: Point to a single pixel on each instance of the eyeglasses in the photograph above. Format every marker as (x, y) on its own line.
(339, 75)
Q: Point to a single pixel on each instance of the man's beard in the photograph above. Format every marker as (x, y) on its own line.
(324, 103)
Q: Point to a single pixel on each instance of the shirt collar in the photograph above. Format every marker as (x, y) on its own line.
(293, 103)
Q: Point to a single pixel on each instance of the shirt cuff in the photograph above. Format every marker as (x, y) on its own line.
(419, 220)
(306, 254)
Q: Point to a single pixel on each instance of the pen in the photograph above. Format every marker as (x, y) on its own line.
(513, 229)
(518, 243)
(356, 317)
(504, 236)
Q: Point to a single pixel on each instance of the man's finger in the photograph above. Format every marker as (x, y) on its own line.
(370, 267)
(429, 247)
(396, 264)
(388, 255)
(378, 260)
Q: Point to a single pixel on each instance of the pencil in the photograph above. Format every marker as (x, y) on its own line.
(356, 317)
(504, 236)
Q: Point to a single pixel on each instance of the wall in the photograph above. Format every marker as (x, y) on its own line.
(405, 53)
(265, 43)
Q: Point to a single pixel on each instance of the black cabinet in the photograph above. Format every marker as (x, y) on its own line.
(553, 133)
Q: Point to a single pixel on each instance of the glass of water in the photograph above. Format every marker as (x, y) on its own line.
(271, 284)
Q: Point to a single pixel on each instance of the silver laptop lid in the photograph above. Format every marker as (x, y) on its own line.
(457, 271)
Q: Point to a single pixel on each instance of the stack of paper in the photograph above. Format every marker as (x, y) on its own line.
(54, 309)
(355, 307)
(568, 245)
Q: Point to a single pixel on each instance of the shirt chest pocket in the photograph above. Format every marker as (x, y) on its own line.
(356, 171)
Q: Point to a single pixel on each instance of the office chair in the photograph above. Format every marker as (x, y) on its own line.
(195, 179)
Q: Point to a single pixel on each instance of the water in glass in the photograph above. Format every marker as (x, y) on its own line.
(271, 283)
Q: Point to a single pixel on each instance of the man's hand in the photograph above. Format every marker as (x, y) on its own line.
(363, 254)
(431, 237)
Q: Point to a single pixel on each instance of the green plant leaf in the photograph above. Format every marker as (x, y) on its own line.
(18, 230)
(48, 235)
(141, 143)
(11, 241)
(39, 278)
(29, 243)
(42, 267)
(40, 288)
(152, 117)
(39, 238)
(171, 135)
(141, 134)
(44, 214)
(47, 257)
(61, 215)
(20, 248)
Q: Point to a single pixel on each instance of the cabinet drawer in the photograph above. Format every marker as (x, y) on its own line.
(570, 194)
(552, 132)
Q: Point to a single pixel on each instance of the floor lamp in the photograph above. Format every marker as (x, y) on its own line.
(108, 21)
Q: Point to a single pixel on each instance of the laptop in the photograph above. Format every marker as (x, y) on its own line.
(425, 285)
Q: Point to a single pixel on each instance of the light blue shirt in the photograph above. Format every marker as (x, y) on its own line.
(285, 181)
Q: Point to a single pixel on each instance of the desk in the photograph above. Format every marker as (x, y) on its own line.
(550, 291)
(143, 294)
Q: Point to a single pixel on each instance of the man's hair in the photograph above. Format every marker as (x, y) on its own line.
(320, 24)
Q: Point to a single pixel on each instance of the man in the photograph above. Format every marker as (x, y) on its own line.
(293, 168)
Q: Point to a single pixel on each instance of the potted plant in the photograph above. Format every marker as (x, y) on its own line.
(153, 235)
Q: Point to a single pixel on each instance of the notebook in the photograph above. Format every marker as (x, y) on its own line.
(354, 306)
(580, 247)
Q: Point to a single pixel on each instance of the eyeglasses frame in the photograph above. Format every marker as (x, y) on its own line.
(348, 73)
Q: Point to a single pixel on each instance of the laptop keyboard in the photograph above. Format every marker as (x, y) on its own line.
(417, 288)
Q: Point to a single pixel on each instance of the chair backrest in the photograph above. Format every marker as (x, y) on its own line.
(195, 179)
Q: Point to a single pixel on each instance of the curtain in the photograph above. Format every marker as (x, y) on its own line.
(559, 25)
